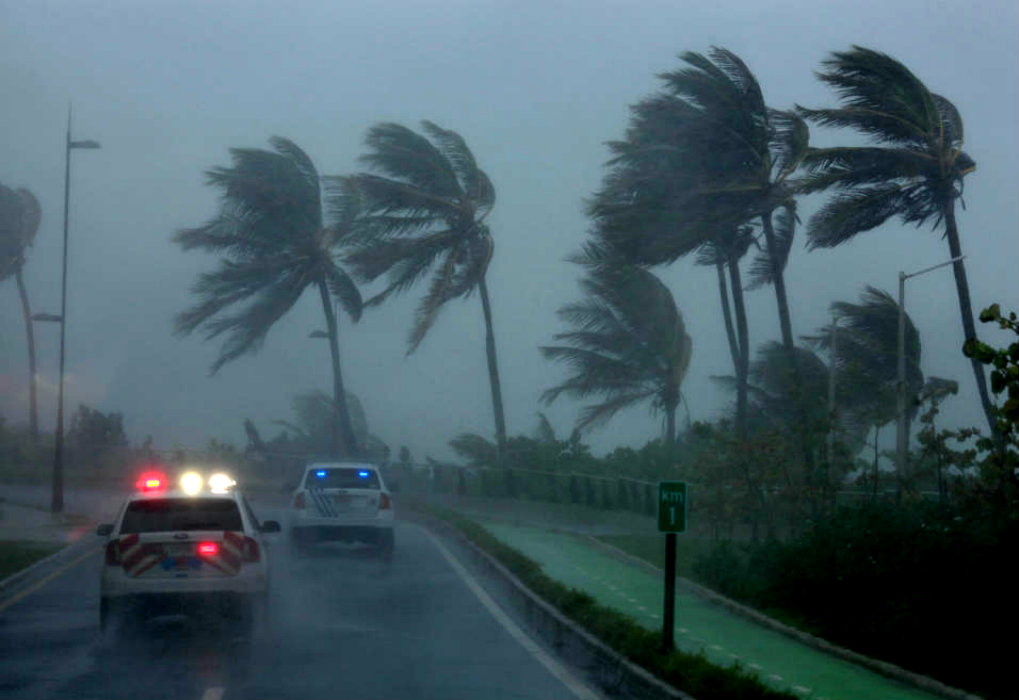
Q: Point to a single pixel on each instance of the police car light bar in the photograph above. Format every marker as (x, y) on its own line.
(151, 481)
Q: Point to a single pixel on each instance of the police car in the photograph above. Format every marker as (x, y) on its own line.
(345, 502)
(195, 550)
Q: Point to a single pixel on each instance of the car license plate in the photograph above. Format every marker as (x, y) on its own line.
(178, 549)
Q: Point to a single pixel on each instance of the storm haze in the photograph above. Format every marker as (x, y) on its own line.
(535, 88)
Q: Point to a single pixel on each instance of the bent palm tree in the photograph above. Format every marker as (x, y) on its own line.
(274, 247)
(866, 360)
(628, 345)
(20, 214)
(707, 155)
(726, 251)
(425, 210)
(914, 171)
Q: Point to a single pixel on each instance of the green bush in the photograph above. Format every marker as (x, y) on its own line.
(900, 583)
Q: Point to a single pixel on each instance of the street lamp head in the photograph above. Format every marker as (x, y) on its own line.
(83, 144)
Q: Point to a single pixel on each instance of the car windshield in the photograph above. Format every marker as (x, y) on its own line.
(342, 478)
(181, 514)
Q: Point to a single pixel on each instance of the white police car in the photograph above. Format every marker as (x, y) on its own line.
(196, 550)
(345, 502)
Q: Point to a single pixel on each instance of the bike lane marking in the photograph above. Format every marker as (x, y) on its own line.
(778, 660)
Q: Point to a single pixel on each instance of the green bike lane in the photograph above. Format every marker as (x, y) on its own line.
(723, 637)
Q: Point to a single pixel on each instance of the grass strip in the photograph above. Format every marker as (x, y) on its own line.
(691, 672)
(15, 556)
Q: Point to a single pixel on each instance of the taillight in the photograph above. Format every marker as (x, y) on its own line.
(251, 551)
(112, 552)
(208, 549)
(299, 500)
(383, 501)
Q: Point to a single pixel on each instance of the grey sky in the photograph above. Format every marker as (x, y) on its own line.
(535, 88)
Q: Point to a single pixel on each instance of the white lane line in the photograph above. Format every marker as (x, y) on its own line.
(684, 630)
(802, 690)
(756, 667)
(716, 647)
(775, 677)
(213, 693)
(642, 607)
(576, 686)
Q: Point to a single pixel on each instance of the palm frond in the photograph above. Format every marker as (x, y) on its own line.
(343, 288)
(408, 157)
(473, 181)
(599, 414)
(762, 269)
(862, 209)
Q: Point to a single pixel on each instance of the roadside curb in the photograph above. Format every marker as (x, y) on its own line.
(883, 668)
(611, 671)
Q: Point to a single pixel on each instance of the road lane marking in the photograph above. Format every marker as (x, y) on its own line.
(576, 686)
(213, 693)
(46, 579)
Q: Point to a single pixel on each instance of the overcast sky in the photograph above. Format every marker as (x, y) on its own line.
(535, 88)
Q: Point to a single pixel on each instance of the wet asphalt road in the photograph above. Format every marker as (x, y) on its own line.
(343, 625)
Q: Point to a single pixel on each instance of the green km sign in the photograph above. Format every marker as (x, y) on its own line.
(671, 506)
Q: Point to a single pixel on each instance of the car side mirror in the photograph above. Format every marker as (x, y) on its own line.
(270, 526)
(104, 529)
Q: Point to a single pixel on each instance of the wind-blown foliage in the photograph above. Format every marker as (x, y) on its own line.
(20, 215)
(913, 170)
(422, 211)
(628, 344)
(274, 246)
(704, 157)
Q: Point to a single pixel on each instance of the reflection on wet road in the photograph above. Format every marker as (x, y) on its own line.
(343, 624)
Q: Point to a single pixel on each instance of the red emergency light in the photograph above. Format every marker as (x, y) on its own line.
(151, 482)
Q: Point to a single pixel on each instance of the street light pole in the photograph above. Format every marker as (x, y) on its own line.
(901, 437)
(57, 497)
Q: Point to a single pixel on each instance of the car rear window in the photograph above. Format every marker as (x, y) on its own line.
(175, 514)
(342, 478)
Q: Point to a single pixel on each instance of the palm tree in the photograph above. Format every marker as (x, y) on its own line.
(725, 252)
(914, 170)
(20, 214)
(866, 357)
(628, 345)
(707, 155)
(274, 246)
(424, 209)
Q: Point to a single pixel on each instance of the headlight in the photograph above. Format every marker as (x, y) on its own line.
(191, 483)
(220, 483)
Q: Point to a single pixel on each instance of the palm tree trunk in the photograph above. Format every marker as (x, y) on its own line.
(670, 423)
(787, 341)
(730, 332)
(493, 371)
(344, 442)
(33, 410)
(966, 310)
(743, 367)
(877, 434)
